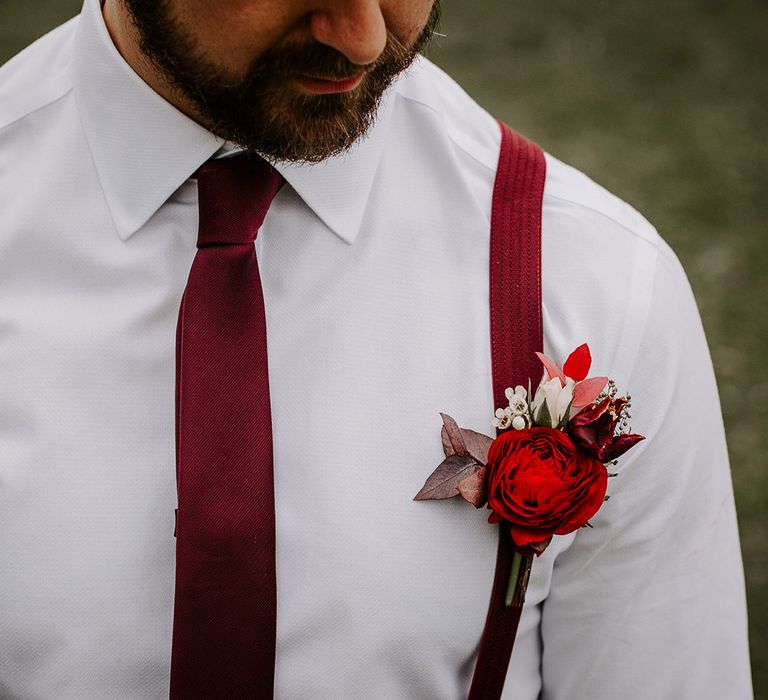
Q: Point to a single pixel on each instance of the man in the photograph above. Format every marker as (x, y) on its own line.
(374, 264)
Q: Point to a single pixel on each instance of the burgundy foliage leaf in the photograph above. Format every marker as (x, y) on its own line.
(620, 445)
(444, 481)
(453, 433)
(534, 548)
(477, 444)
(473, 489)
(593, 430)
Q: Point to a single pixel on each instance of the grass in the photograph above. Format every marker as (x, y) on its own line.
(665, 105)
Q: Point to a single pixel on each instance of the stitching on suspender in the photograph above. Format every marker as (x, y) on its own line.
(516, 332)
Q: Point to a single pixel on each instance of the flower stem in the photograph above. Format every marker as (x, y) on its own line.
(519, 573)
(514, 572)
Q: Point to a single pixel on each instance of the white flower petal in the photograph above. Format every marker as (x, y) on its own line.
(565, 398)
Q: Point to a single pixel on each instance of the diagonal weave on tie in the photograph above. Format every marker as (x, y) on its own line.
(224, 619)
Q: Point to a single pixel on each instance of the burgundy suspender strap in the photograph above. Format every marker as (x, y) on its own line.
(516, 333)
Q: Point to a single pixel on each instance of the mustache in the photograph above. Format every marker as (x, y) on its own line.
(322, 61)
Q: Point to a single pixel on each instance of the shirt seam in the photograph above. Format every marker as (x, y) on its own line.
(651, 241)
(449, 131)
(647, 311)
(547, 195)
(30, 112)
(477, 160)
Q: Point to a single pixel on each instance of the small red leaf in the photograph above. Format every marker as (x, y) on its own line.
(552, 369)
(473, 488)
(443, 482)
(584, 393)
(578, 363)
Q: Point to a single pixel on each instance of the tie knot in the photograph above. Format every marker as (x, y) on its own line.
(234, 195)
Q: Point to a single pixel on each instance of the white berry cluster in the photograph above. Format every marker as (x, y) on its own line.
(517, 415)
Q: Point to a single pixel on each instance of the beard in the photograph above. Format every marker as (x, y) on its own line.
(262, 111)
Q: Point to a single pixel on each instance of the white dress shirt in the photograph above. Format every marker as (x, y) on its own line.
(375, 274)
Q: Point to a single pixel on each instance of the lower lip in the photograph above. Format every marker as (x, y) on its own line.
(318, 86)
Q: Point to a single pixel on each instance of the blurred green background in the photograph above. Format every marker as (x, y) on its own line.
(665, 104)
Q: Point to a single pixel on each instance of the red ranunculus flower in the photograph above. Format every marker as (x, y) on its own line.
(593, 430)
(542, 485)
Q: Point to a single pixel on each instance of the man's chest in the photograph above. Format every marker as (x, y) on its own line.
(367, 344)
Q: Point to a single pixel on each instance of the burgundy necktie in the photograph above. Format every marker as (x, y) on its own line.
(224, 618)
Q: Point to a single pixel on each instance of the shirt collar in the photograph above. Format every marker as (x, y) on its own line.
(144, 148)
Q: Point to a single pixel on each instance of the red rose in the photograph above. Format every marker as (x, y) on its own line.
(542, 486)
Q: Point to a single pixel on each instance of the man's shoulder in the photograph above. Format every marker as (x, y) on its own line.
(577, 196)
(466, 125)
(602, 258)
(37, 76)
(473, 131)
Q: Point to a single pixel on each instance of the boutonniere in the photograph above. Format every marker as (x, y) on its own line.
(546, 472)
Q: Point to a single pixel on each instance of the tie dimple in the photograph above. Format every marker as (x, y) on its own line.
(234, 195)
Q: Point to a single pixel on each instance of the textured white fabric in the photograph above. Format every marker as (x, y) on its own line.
(375, 274)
